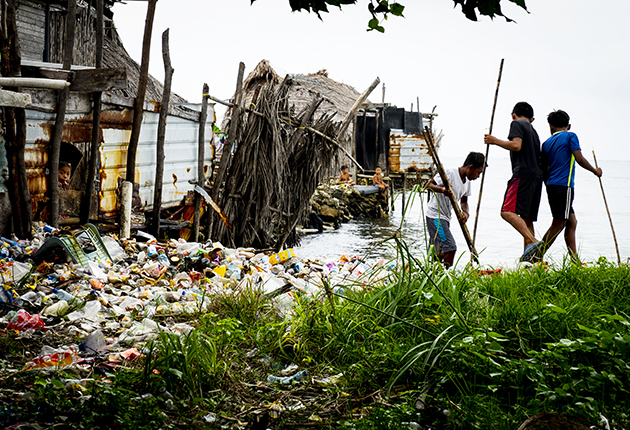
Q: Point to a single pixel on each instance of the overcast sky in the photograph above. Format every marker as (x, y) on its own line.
(565, 54)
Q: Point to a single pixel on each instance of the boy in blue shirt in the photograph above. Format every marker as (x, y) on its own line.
(560, 152)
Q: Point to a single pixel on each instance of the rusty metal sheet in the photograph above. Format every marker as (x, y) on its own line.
(180, 164)
(408, 152)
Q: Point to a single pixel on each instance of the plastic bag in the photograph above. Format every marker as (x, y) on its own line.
(52, 357)
(23, 321)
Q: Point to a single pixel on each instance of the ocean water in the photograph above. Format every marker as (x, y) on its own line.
(498, 244)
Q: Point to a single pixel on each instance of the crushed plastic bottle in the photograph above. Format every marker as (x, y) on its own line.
(286, 380)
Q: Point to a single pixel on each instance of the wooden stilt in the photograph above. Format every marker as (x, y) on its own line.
(161, 134)
(201, 154)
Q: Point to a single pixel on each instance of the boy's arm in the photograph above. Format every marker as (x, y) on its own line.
(465, 209)
(585, 164)
(511, 145)
(438, 189)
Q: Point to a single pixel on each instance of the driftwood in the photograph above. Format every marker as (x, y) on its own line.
(138, 106)
(161, 134)
(53, 182)
(96, 121)
(201, 177)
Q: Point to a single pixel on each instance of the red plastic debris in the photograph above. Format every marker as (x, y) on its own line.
(23, 321)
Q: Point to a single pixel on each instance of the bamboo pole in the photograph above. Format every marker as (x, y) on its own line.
(96, 120)
(485, 161)
(458, 213)
(201, 154)
(55, 150)
(52, 84)
(601, 185)
(161, 133)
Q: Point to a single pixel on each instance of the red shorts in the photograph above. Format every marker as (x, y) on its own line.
(523, 197)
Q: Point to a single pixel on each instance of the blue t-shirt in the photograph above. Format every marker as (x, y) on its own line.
(558, 150)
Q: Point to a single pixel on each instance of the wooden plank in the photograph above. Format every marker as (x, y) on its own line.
(93, 80)
(89, 80)
(10, 98)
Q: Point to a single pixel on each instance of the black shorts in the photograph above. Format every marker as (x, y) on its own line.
(560, 201)
(523, 197)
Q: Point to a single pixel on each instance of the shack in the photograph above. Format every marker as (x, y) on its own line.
(41, 25)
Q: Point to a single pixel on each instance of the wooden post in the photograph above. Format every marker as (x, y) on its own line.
(96, 120)
(126, 194)
(15, 122)
(161, 133)
(138, 105)
(201, 154)
(404, 179)
(458, 213)
(60, 118)
(601, 185)
(358, 102)
(227, 146)
(485, 161)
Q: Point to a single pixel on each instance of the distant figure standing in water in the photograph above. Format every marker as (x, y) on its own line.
(522, 197)
(439, 209)
(559, 154)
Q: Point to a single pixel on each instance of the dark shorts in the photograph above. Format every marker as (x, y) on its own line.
(560, 201)
(440, 235)
(523, 197)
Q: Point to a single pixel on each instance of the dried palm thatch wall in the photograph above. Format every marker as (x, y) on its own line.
(338, 99)
(275, 168)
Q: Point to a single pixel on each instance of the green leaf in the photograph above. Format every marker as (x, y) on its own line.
(176, 372)
(397, 9)
(556, 309)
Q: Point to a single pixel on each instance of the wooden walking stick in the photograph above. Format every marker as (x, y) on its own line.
(485, 161)
(428, 137)
(601, 185)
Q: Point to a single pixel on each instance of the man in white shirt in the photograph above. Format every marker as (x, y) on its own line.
(439, 210)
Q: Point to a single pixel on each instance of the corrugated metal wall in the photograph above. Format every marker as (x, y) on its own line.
(180, 163)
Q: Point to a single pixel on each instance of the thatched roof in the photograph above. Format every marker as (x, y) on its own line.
(115, 55)
(338, 97)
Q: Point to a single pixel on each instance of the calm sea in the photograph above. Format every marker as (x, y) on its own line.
(497, 242)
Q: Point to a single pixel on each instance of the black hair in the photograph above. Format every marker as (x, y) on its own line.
(523, 109)
(344, 167)
(476, 159)
(64, 164)
(558, 119)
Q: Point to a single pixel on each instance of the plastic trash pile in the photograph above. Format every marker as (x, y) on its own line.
(111, 305)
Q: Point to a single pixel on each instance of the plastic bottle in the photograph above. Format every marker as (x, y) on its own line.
(163, 259)
(288, 379)
(152, 251)
(64, 295)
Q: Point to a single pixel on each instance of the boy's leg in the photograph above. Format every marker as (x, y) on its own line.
(557, 225)
(448, 259)
(569, 238)
(523, 227)
(520, 207)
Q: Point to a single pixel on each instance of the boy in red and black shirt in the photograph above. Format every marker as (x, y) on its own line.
(522, 197)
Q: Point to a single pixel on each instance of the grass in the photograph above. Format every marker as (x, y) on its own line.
(443, 349)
